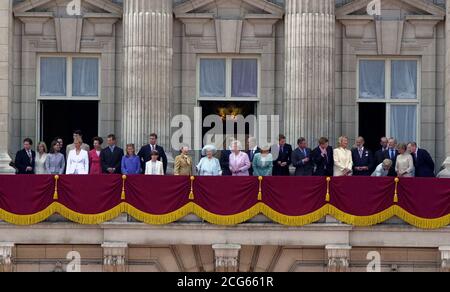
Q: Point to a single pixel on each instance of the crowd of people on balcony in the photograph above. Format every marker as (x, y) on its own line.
(392, 159)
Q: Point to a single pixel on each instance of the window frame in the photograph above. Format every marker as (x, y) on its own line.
(228, 78)
(69, 85)
(388, 100)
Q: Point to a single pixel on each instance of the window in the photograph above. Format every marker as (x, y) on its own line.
(394, 82)
(228, 78)
(68, 77)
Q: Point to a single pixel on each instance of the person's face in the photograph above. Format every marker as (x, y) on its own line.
(27, 145)
(385, 167)
(154, 157)
(130, 151)
(412, 148)
(77, 145)
(152, 140)
(359, 143)
(384, 142)
(60, 142)
(111, 142)
(185, 150)
(234, 148)
(96, 144)
(251, 143)
(76, 136)
(344, 143)
(302, 144)
(41, 149)
(324, 146)
(391, 143)
(57, 147)
(282, 141)
(401, 150)
(209, 154)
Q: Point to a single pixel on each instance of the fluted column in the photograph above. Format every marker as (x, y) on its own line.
(309, 76)
(447, 81)
(148, 52)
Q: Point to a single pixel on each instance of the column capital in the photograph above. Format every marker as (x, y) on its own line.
(226, 257)
(338, 257)
(6, 256)
(114, 256)
(445, 258)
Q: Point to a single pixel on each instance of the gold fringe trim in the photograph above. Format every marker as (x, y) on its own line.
(27, 219)
(361, 220)
(227, 220)
(88, 219)
(159, 219)
(294, 220)
(419, 222)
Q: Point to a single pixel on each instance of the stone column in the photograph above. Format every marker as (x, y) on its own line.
(147, 83)
(338, 258)
(226, 257)
(6, 58)
(447, 80)
(114, 256)
(445, 258)
(309, 76)
(6, 256)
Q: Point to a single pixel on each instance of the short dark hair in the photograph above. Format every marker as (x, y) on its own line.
(99, 139)
(323, 140)
(78, 132)
(301, 140)
(58, 138)
(112, 136)
(52, 146)
(28, 140)
(281, 137)
(154, 135)
(154, 152)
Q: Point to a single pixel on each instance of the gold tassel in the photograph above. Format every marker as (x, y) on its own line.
(260, 178)
(397, 180)
(327, 197)
(55, 194)
(122, 196)
(191, 194)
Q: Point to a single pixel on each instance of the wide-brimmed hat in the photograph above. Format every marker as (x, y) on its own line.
(209, 147)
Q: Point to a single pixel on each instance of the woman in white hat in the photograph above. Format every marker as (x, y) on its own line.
(209, 165)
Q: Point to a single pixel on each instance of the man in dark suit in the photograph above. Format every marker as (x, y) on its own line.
(379, 154)
(253, 149)
(423, 162)
(283, 161)
(363, 164)
(392, 153)
(322, 157)
(111, 157)
(146, 152)
(25, 158)
(301, 159)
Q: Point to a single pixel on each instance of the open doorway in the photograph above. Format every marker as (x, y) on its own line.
(372, 123)
(62, 117)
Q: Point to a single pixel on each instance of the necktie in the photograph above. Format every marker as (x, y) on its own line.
(392, 154)
(360, 153)
(30, 156)
(304, 152)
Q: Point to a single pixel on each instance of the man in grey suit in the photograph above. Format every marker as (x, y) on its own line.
(301, 159)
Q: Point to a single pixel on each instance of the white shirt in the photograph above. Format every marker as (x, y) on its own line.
(154, 168)
(78, 164)
(342, 160)
(39, 167)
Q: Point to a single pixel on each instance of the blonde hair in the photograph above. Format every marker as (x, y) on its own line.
(387, 163)
(43, 145)
(341, 139)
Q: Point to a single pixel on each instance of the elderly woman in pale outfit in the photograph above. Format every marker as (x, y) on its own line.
(239, 161)
(209, 165)
(343, 162)
(383, 168)
(41, 157)
(78, 159)
(405, 163)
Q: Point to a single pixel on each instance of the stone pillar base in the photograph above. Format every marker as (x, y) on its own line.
(114, 256)
(6, 256)
(445, 258)
(338, 258)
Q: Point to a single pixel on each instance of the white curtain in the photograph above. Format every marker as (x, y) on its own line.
(53, 77)
(212, 78)
(85, 77)
(404, 123)
(404, 79)
(245, 78)
(371, 79)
